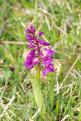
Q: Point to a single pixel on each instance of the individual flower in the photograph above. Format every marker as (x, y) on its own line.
(40, 53)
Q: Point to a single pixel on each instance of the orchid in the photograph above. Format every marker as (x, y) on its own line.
(40, 54)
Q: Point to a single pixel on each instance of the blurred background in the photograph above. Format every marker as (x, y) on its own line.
(60, 20)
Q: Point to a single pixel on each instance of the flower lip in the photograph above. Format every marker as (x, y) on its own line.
(28, 64)
(47, 69)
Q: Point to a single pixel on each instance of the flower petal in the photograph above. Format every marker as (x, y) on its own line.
(42, 42)
(50, 52)
(28, 64)
(36, 61)
(30, 37)
(31, 29)
(31, 45)
(40, 33)
(31, 55)
(49, 68)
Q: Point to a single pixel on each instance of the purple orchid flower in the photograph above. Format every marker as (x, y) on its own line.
(40, 54)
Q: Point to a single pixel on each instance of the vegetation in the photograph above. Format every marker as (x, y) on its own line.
(60, 20)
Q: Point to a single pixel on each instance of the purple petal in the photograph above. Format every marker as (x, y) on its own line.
(50, 52)
(47, 60)
(45, 72)
(40, 33)
(30, 37)
(48, 69)
(41, 54)
(31, 29)
(28, 64)
(29, 60)
(31, 55)
(42, 42)
(31, 45)
(36, 61)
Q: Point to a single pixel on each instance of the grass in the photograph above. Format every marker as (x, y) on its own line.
(61, 23)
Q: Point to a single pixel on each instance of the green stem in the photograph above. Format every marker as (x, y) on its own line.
(37, 89)
(38, 74)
